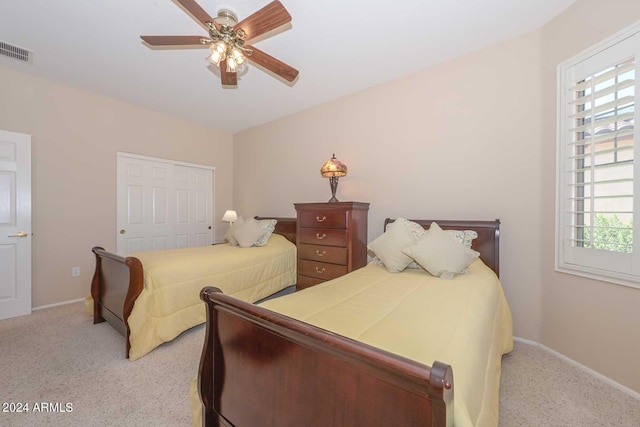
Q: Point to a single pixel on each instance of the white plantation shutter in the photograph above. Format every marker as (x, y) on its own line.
(597, 197)
(600, 159)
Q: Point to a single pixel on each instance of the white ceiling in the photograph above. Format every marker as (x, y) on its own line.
(339, 47)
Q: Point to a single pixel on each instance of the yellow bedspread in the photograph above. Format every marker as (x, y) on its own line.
(170, 301)
(464, 322)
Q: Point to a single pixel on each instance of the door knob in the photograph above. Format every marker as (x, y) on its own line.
(20, 234)
(122, 231)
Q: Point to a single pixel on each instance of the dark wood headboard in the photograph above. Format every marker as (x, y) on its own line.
(487, 243)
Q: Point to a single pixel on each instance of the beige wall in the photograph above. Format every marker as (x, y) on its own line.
(459, 140)
(470, 138)
(592, 322)
(75, 137)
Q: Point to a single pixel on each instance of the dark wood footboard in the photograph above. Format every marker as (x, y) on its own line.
(116, 284)
(259, 368)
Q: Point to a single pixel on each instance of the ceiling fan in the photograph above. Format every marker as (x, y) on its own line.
(227, 39)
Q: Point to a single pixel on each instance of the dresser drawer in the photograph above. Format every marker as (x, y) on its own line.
(323, 219)
(323, 236)
(331, 254)
(320, 270)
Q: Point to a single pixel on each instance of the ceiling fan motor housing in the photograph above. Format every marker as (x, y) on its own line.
(226, 17)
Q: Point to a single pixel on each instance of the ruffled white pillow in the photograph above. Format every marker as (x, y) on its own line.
(465, 237)
(268, 226)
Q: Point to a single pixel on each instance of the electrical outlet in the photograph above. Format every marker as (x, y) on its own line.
(75, 271)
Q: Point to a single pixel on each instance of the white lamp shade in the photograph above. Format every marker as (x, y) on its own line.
(230, 216)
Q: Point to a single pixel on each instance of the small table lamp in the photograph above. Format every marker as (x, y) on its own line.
(333, 170)
(230, 217)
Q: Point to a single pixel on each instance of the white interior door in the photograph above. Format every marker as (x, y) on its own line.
(145, 219)
(163, 204)
(194, 206)
(15, 224)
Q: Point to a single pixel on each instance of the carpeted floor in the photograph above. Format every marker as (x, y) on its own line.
(59, 357)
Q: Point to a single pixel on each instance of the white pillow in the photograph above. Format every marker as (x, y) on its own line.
(388, 248)
(268, 226)
(415, 229)
(228, 236)
(465, 237)
(439, 254)
(248, 233)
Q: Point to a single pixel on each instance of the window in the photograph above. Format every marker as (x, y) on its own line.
(597, 234)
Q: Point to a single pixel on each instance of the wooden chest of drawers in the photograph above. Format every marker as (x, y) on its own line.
(331, 240)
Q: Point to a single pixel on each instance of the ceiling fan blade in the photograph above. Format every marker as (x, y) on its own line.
(196, 11)
(228, 79)
(174, 40)
(272, 64)
(266, 19)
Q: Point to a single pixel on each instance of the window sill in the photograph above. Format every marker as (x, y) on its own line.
(609, 277)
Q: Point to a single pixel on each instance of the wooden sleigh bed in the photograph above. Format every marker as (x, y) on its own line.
(261, 368)
(119, 281)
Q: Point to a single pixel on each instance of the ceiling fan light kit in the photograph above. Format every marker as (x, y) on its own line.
(225, 43)
(227, 39)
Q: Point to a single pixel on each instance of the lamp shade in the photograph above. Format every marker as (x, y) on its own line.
(333, 168)
(230, 216)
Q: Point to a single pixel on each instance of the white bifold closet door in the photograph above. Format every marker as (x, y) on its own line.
(163, 204)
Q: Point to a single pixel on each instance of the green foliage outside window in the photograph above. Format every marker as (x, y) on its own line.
(609, 234)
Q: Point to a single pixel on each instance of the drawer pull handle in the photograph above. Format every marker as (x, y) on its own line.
(323, 253)
(319, 270)
(321, 237)
(321, 219)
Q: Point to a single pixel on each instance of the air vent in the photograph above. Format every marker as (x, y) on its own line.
(15, 52)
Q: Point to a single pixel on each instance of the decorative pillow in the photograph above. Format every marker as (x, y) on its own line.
(439, 254)
(268, 225)
(415, 228)
(248, 233)
(228, 236)
(465, 237)
(388, 248)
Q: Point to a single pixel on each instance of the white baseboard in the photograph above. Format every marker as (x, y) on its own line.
(57, 304)
(605, 379)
